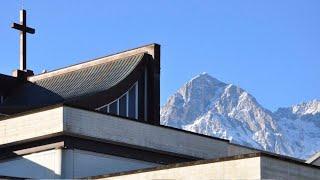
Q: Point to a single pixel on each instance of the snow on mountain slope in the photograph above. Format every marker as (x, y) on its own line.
(208, 106)
(300, 124)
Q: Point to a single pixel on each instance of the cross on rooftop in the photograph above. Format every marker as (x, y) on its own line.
(22, 27)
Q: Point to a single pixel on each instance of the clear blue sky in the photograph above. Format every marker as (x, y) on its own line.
(271, 48)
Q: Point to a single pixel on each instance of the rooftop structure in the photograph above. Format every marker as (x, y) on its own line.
(100, 119)
(125, 84)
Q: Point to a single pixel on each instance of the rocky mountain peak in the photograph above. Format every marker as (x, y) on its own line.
(311, 107)
(209, 106)
(301, 110)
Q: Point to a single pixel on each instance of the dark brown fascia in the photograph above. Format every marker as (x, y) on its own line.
(153, 83)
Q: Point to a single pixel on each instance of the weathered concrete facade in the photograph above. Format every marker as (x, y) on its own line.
(316, 162)
(67, 163)
(236, 169)
(68, 142)
(80, 164)
(32, 125)
(273, 168)
(81, 122)
(30, 139)
(45, 164)
(251, 166)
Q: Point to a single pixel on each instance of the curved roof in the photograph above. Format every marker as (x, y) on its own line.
(90, 79)
(71, 83)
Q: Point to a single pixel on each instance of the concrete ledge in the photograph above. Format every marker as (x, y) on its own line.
(246, 166)
(33, 125)
(84, 123)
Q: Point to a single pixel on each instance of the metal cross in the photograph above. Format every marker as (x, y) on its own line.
(22, 27)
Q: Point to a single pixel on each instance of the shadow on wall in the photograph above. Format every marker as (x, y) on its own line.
(40, 165)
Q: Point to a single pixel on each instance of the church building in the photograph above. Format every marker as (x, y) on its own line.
(99, 119)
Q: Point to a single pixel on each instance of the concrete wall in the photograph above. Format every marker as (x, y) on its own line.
(116, 129)
(78, 164)
(111, 128)
(315, 159)
(316, 162)
(105, 127)
(233, 169)
(277, 169)
(261, 167)
(31, 125)
(64, 163)
(45, 164)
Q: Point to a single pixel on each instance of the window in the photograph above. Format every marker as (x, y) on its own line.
(123, 105)
(113, 107)
(104, 109)
(133, 102)
(126, 105)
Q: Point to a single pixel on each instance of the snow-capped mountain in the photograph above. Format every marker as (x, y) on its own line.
(208, 106)
(300, 124)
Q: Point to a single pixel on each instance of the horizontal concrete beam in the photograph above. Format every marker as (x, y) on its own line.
(248, 166)
(85, 123)
(32, 125)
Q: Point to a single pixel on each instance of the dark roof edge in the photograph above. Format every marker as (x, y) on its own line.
(11, 177)
(7, 76)
(31, 111)
(149, 49)
(200, 162)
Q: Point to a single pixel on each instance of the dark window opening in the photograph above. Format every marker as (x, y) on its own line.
(132, 102)
(113, 108)
(141, 98)
(104, 109)
(123, 106)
